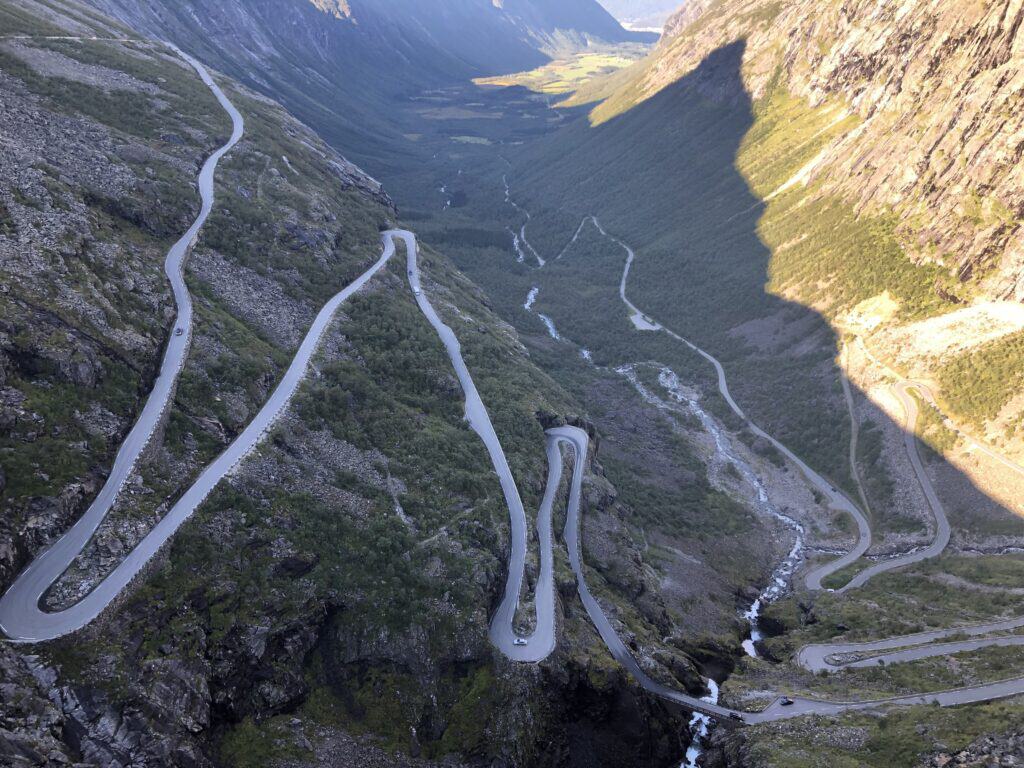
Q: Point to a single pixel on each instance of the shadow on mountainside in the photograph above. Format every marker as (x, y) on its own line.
(665, 178)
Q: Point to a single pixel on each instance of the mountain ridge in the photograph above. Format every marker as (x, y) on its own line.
(344, 67)
(892, 65)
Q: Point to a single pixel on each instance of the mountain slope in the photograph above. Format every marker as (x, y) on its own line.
(350, 68)
(341, 580)
(879, 152)
(936, 87)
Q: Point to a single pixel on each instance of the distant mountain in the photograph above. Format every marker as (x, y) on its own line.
(344, 65)
(642, 14)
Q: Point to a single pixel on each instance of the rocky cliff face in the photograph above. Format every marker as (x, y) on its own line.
(937, 89)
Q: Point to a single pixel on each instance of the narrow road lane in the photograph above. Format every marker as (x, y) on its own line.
(942, 528)
(851, 407)
(816, 658)
(541, 642)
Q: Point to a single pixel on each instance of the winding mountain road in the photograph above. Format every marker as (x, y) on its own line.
(815, 657)
(542, 641)
(20, 616)
(929, 397)
(942, 530)
(851, 408)
(837, 500)
(22, 619)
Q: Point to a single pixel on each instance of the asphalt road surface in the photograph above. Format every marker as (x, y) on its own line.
(942, 531)
(818, 658)
(541, 642)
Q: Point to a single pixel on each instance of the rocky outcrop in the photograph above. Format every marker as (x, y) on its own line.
(1003, 750)
(31, 725)
(45, 720)
(684, 17)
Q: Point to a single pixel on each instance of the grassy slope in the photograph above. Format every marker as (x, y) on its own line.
(864, 741)
(977, 385)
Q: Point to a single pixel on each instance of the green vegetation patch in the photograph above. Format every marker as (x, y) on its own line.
(453, 714)
(897, 603)
(900, 738)
(8, 228)
(875, 473)
(977, 385)
(931, 429)
(16, 21)
(987, 570)
(252, 744)
(564, 76)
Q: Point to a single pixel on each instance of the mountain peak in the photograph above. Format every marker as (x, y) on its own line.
(340, 9)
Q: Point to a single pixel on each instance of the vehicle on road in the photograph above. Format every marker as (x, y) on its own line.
(179, 332)
(786, 701)
(736, 716)
(519, 641)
